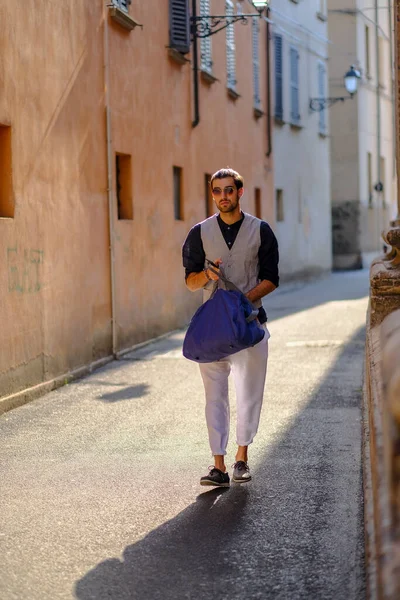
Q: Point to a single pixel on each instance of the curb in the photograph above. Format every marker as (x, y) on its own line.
(12, 401)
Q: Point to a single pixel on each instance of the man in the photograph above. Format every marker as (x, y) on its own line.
(246, 249)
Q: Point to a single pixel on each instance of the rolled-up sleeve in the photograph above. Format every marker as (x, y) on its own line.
(193, 254)
(268, 255)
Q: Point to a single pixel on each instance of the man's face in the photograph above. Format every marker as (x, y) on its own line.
(225, 194)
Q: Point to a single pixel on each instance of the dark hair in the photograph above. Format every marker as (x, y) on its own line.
(222, 173)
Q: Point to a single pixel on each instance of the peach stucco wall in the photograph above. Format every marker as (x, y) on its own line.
(55, 275)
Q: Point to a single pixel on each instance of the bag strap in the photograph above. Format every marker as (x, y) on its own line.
(230, 286)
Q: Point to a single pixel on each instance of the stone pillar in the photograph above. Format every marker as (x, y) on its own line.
(385, 271)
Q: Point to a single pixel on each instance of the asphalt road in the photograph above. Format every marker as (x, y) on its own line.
(99, 481)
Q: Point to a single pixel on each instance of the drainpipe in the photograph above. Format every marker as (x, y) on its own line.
(391, 63)
(396, 104)
(378, 118)
(109, 178)
(268, 53)
(196, 120)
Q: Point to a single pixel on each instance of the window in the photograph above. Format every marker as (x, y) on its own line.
(278, 78)
(6, 192)
(209, 202)
(122, 4)
(177, 175)
(230, 49)
(256, 63)
(367, 53)
(294, 87)
(205, 43)
(382, 61)
(279, 205)
(369, 175)
(179, 33)
(257, 202)
(123, 179)
(321, 94)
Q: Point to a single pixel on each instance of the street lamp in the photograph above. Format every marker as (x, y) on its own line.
(350, 82)
(205, 25)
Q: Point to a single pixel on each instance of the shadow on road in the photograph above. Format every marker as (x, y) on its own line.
(127, 393)
(186, 551)
(294, 533)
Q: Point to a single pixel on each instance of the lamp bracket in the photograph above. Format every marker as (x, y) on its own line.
(206, 25)
(320, 104)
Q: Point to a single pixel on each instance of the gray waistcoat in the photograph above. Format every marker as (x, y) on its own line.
(240, 263)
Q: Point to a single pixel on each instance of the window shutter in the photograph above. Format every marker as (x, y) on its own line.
(230, 49)
(294, 86)
(278, 78)
(179, 31)
(205, 43)
(321, 94)
(256, 63)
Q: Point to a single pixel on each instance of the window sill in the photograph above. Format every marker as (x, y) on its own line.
(321, 16)
(279, 120)
(296, 126)
(177, 56)
(232, 93)
(123, 19)
(323, 135)
(207, 77)
(258, 113)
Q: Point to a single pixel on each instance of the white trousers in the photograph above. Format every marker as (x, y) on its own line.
(249, 368)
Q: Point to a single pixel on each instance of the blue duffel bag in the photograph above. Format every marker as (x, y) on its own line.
(225, 324)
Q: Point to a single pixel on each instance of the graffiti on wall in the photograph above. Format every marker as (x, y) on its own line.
(346, 227)
(24, 270)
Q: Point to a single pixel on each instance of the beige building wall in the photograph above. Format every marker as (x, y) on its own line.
(56, 270)
(301, 149)
(362, 129)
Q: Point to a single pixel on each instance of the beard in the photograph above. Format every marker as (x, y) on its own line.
(230, 205)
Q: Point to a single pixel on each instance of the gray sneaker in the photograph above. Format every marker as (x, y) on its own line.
(215, 477)
(241, 472)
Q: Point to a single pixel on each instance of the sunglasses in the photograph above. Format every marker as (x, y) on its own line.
(228, 191)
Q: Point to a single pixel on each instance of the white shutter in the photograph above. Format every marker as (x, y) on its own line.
(230, 48)
(278, 78)
(205, 43)
(256, 62)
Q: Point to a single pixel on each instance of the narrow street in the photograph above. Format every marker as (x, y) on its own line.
(100, 495)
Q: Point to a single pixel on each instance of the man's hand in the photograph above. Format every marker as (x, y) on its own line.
(196, 281)
(210, 273)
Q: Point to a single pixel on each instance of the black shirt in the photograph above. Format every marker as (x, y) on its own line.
(194, 256)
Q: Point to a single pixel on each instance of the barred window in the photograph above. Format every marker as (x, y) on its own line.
(321, 94)
(294, 86)
(122, 4)
(230, 49)
(256, 62)
(205, 43)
